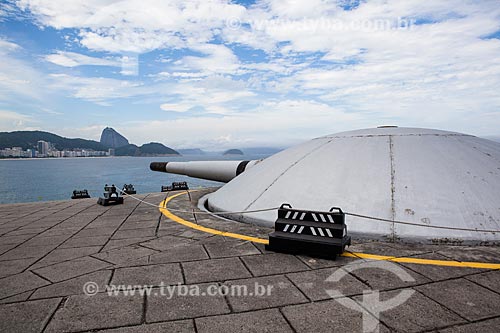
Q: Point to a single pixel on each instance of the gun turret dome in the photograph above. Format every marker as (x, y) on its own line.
(427, 177)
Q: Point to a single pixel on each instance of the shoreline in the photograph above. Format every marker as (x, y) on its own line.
(80, 157)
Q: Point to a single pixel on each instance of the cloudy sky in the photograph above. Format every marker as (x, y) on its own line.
(225, 74)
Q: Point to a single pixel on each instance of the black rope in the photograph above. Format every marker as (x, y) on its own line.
(417, 224)
(346, 213)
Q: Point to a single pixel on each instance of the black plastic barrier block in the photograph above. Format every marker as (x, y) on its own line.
(318, 234)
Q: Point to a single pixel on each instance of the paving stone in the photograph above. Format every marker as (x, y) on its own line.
(267, 264)
(84, 242)
(124, 254)
(314, 284)
(214, 270)
(489, 280)
(165, 274)
(492, 249)
(386, 249)
(277, 290)
(143, 232)
(118, 243)
(470, 254)
(189, 247)
(59, 232)
(418, 313)
(486, 326)
(257, 321)
(73, 286)
(316, 263)
(19, 283)
(71, 268)
(60, 255)
(141, 261)
(17, 298)
(103, 222)
(26, 231)
(181, 326)
(392, 277)
(11, 267)
(438, 273)
(23, 251)
(170, 229)
(194, 234)
(179, 254)
(6, 239)
(132, 223)
(101, 232)
(5, 248)
(466, 298)
(228, 248)
(166, 243)
(328, 316)
(46, 241)
(164, 308)
(81, 313)
(148, 215)
(49, 223)
(27, 316)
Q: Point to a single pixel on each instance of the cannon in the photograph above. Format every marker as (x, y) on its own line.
(80, 194)
(111, 196)
(220, 171)
(128, 189)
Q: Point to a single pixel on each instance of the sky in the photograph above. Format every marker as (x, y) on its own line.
(218, 74)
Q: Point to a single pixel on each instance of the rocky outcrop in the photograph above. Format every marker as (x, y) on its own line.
(112, 139)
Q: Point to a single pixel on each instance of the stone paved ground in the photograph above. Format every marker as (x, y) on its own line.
(50, 250)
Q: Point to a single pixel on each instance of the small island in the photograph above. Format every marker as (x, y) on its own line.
(233, 152)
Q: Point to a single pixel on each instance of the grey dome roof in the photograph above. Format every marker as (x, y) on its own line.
(424, 176)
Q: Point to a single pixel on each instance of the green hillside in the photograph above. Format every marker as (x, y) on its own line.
(148, 149)
(29, 139)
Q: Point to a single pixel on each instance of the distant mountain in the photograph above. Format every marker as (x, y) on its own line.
(148, 149)
(29, 139)
(112, 139)
(128, 150)
(233, 152)
(261, 151)
(192, 151)
(155, 148)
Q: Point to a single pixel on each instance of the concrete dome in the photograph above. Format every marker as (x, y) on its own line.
(429, 177)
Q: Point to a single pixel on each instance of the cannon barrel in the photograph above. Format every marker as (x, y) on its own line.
(220, 171)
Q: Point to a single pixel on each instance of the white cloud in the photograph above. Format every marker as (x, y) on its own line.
(313, 55)
(18, 78)
(214, 94)
(176, 107)
(72, 59)
(270, 124)
(135, 25)
(90, 132)
(217, 59)
(13, 121)
(99, 90)
(7, 47)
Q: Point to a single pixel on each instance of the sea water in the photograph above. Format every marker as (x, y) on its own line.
(44, 179)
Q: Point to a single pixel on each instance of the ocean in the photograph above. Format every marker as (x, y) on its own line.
(44, 179)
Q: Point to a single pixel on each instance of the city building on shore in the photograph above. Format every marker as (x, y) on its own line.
(47, 149)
